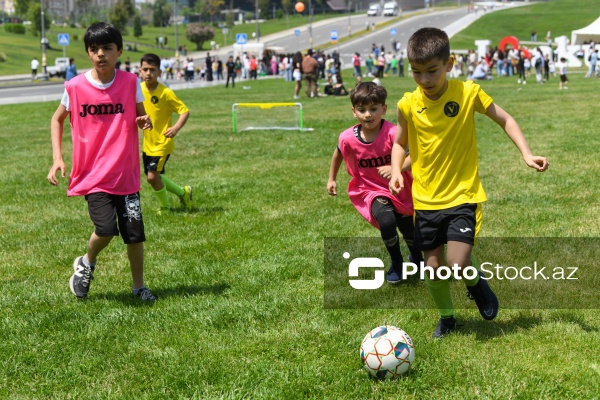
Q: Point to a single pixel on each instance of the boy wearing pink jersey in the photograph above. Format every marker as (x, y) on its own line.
(105, 108)
(366, 149)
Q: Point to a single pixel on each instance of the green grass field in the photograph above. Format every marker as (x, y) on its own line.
(241, 279)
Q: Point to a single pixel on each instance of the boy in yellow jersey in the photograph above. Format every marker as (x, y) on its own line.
(437, 122)
(159, 142)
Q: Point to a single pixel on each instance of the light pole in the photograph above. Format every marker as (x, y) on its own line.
(257, 11)
(44, 75)
(310, 12)
(349, 24)
(176, 38)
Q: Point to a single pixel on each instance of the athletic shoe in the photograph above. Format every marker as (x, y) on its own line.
(163, 211)
(394, 274)
(186, 199)
(484, 297)
(145, 294)
(81, 278)
(444, 327)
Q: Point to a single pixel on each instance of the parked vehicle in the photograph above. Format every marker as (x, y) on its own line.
(59, 68)
(391, 9)
(374, 10)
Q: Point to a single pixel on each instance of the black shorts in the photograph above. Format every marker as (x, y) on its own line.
(117, 214)
(563, 78)
(434, 228)
(154, 163)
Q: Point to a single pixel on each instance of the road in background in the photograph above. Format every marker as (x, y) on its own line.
(452, 21)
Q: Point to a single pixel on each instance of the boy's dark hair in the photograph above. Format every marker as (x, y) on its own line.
(426, 44)
(101, 33)
(366, 93)
(562, 59)
(151, 59)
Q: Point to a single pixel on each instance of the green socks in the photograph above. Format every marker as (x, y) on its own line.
(440, 292)
(172, 187)
(163, 197)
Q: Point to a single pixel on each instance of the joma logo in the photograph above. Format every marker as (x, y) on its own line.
(101, 109)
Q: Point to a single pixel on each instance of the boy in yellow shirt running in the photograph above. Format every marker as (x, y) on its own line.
(159, 142)
(437, 122)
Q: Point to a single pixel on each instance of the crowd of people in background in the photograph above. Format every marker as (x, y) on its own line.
(321, 71)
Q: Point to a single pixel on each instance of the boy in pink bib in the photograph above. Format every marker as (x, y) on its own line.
(105, 108)
(366, 149)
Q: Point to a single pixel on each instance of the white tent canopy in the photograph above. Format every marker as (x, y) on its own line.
(590, 32)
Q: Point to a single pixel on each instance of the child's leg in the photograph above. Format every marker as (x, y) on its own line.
(160, 190)
(153, 166)
(95, 246)
(383, 211)
(407, 228)
(135, 253)
(173, 187)
(439, 289)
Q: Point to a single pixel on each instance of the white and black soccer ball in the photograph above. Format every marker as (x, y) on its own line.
(387, 352)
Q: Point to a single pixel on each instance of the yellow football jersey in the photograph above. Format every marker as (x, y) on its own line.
(443, 145)
(160, 106)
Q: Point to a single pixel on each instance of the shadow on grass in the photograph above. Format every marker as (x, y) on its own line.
(486, 330)
(163, 293)
(199, 210)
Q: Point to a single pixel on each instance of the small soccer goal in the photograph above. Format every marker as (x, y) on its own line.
(267, 116)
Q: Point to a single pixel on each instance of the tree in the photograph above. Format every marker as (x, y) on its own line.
(119, 15)
(199, 34)
(263, 6)
(137, 26)
(161, 13)
(287, 6)
(22, 7)
(35, 16)
(213, 7)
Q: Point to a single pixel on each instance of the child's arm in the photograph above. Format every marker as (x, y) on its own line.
(142, 120)
(386, 171)
(172, 131)
(398, 154)
(510, 126)
(56, 133)
(336, 162)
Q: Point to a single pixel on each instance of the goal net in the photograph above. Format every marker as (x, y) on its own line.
(267, 116)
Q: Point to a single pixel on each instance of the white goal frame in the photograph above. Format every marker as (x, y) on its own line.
(298, 124)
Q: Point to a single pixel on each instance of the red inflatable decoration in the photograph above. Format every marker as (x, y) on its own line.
(514, 42)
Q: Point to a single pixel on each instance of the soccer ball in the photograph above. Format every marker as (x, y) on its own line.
(387, 352)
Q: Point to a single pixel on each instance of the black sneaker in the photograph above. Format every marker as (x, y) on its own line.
(394, 274)
(485, 298)
(444, 327)
(145, 294)
(81, 278)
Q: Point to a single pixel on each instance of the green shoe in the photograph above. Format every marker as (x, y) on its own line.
(163, 211)
(186, 199)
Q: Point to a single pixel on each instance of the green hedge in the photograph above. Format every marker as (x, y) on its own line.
(15, 28)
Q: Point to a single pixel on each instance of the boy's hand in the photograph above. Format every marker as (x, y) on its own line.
(143, 122)
(57, 166)
(171, 132)
(331, 188)
(396, 184)
(539, 163)
(385, 172)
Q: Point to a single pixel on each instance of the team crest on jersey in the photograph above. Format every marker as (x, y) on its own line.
(154, 99)
(451, 109)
